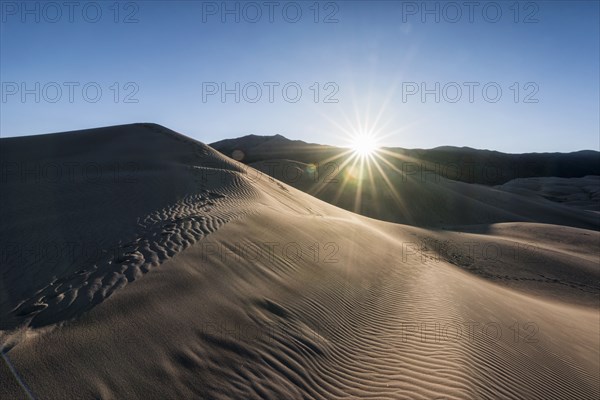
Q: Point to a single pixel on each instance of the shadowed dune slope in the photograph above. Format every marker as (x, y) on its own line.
(209, 280)
(423, 199)
(583, 193)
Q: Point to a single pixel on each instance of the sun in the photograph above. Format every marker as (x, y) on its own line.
(364, 145)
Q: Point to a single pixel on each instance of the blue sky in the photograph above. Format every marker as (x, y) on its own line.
(361, 67)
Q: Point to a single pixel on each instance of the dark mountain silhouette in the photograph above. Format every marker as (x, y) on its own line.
(463, 164)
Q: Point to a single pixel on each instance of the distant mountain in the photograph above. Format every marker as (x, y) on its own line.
(250, 141)
(259, 148)
(463, 164)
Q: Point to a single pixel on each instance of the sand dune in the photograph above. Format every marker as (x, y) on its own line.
(181, 273)
(424, 199)
(582, 193)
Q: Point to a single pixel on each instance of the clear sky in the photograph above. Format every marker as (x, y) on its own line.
(361, 66)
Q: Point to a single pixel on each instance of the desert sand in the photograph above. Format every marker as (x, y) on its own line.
(582, 192)
(140, 263)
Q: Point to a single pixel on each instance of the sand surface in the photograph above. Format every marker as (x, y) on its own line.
(152, 266)
(582, 193)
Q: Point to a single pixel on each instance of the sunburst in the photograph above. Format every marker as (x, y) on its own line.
(364, 145)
